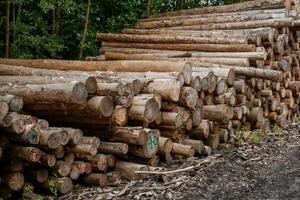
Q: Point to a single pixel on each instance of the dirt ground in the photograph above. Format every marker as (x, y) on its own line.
(267, 170)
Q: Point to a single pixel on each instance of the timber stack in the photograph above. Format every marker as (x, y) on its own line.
(178, 85)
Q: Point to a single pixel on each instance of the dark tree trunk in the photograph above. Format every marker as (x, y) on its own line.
(85, 29)
(7, 29)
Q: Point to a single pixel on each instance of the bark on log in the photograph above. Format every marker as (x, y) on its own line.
(185, 47)
(266, 34)
(220, 113)
(114, 148)
(62, 185)
(15, 103)
(188, 97)
(149, 149)
(95, 179)
(197, 145)
(74, 92)
(184, 150)
(29, 154)
(108, 37)
(143, 108)
(160, 23)
(164, 146)
(95, 141)
(171, 119)
(123, 93)
(274, 23)
(90, 82)
(37, 175)
(115, 66)
(48, 160)
(127, 170)
(83, 149)
(14, 181)
(166, 88)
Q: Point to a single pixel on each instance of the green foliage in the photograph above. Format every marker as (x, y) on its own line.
(28, 188)
(53, 28)
(53, 188)
(255, 137)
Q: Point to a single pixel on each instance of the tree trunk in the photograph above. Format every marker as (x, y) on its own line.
(7, 30)
(82, 43)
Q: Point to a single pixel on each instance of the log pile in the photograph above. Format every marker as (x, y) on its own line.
(257, 40)
(178, 85)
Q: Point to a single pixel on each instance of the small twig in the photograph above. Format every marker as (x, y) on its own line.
(175, 171)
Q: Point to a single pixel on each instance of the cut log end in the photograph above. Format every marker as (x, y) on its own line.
(79, 93)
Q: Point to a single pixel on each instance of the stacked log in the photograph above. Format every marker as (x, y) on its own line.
(256, 41)
(178, 85)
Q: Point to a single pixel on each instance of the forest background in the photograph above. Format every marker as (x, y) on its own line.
(66, 29)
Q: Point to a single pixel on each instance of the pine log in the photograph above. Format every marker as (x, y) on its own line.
(48, 160)
(275, 23)
(95, 179)
(75, 172)
(90, 82)
(160, 23)
(127, 170)
(168, 89)
(113, 148)
(88, 149)
(69, 158)
(13, 123)
(81, 166)
(37, 175)
(185, 47)
(137, 136)
(14, 181)
(221, 87)
(200, 131)
(95, 141)
(50, 138)
(4, 109)
(115, 66)
(219, 113)
(62, 185)
(15, 103)
(188, 97)
(61, 168)
(149, 149)
(255, 115)
(164, 146)
(227, 74)
(108, 37)
(184, 150)
(30, 154)
(123, 93)
(171, 119)
(240, 86)
(197, 145)
(143, 108)
(73, 92)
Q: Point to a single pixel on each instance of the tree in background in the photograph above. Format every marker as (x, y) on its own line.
(64, 29)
